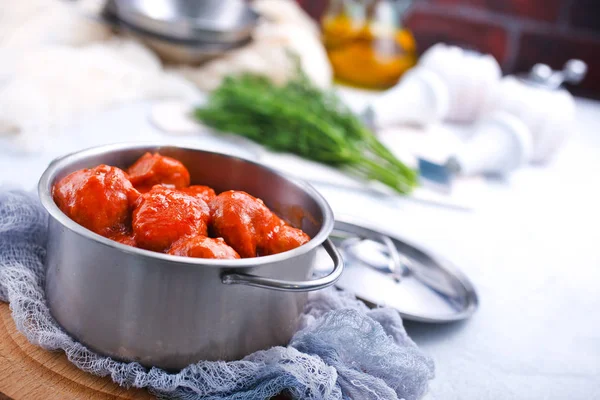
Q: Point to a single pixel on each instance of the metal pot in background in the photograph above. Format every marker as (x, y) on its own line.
(168, 311)
(183, 31)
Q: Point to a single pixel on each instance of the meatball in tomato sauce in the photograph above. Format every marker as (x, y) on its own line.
(242, 220)
(124, 237)
(203, 247)
(153, 207)
(165, 215)
(283, 238)
(99, 198)
(154, 169)
(204, 192)
(250, 227)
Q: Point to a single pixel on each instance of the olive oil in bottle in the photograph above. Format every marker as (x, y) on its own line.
(366, 43)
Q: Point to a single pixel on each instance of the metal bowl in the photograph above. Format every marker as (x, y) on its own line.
(169, 311)
(181, 51)
(218, 21)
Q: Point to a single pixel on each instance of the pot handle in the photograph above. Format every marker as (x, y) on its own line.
(291, 286)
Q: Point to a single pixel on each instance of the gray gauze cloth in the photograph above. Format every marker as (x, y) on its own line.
(343, 350)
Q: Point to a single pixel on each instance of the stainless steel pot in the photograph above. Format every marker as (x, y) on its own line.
(216, 21)
(168, 311)
(173, 51)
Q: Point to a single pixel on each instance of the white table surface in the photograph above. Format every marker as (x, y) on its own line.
(532, 250)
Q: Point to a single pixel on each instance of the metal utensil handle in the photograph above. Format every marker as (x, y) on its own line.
(291, 286)
(395, 261)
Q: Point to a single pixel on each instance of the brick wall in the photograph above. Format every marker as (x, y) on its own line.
(519, 33)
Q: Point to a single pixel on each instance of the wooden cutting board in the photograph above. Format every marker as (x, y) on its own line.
(28, 372)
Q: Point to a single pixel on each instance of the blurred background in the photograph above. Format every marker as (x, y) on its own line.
(481, 116)
(518, 33)
(468, 94)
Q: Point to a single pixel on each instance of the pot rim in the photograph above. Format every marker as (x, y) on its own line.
(45, 195)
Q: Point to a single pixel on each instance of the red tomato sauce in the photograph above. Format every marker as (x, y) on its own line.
(152, 206)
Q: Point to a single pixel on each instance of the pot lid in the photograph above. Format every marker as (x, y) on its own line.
(384, 270)
(222, 21)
